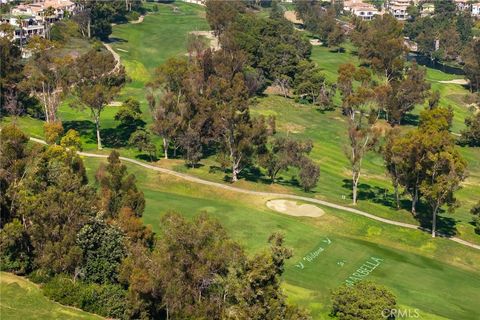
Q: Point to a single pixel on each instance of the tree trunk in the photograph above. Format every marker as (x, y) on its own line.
(89, 28)
(434, 222)
(397, 196)
(355, 188)
(165, 148)
(97, 125)
(414, 202)
(234, 171)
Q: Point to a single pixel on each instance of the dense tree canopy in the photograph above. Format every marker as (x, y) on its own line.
(381, 44)
(365, 300)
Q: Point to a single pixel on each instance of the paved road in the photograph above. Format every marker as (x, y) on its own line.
(269, 194)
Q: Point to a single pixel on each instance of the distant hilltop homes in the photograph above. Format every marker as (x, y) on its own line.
(29, 19)
(399, 8)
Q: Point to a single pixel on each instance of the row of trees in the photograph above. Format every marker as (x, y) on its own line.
(425, 162)
(201, 105)
(49, 76)
(90, 249)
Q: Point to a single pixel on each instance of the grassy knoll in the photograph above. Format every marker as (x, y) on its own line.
(439, 277)
(22, 299)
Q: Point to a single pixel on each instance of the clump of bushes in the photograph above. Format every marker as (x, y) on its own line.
(132, 16)
(108, 300)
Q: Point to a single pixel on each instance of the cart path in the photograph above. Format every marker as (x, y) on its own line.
(270, 194)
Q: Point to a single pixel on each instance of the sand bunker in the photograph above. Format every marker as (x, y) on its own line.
(292, 17)
(316, 42)
(293, 209)
(455, 81)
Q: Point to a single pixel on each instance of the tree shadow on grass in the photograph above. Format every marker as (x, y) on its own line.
(325, 109)
(115, 39)
(118, 137)
(445, 225)
(147, 158)
(337, 50)
(111, 137)
(85, 128)
(374, 194)
(254, 174)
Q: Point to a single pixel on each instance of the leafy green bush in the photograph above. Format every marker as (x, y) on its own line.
(14, 248)
(105, 300)
(365, 300)
(132, 16)
(40, 276)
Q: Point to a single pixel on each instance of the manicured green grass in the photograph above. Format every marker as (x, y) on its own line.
(437, 276)
(22, 299)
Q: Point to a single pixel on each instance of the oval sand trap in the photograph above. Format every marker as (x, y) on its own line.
(293, 209)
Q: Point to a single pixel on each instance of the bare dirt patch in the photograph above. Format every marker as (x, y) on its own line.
(292, 208)
(115, 103)
(214, 44)
(291, 127)
(276, 90)
(292, 17)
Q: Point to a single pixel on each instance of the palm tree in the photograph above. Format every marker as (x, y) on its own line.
(47, 14)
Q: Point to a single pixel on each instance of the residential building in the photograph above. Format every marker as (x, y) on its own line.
(462, 5)
(39, 8)
(398, 8)
(427, 9)
(360, 9)
(399, 12)
(24, 26)
(199, 2)
(476, 9)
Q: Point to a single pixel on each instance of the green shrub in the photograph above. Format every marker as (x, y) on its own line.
(132, 16)
(105, 300)
(40, 276)
(15, 248)
(365, 300)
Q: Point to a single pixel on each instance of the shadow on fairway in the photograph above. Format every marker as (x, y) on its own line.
(85, 128)
(254, 174)
(375, 194)
(118, 137)
(445, 225)
(147, 158)
(115, 39)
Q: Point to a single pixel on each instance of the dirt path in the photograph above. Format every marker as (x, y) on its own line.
(270, 194)
(116, 56)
